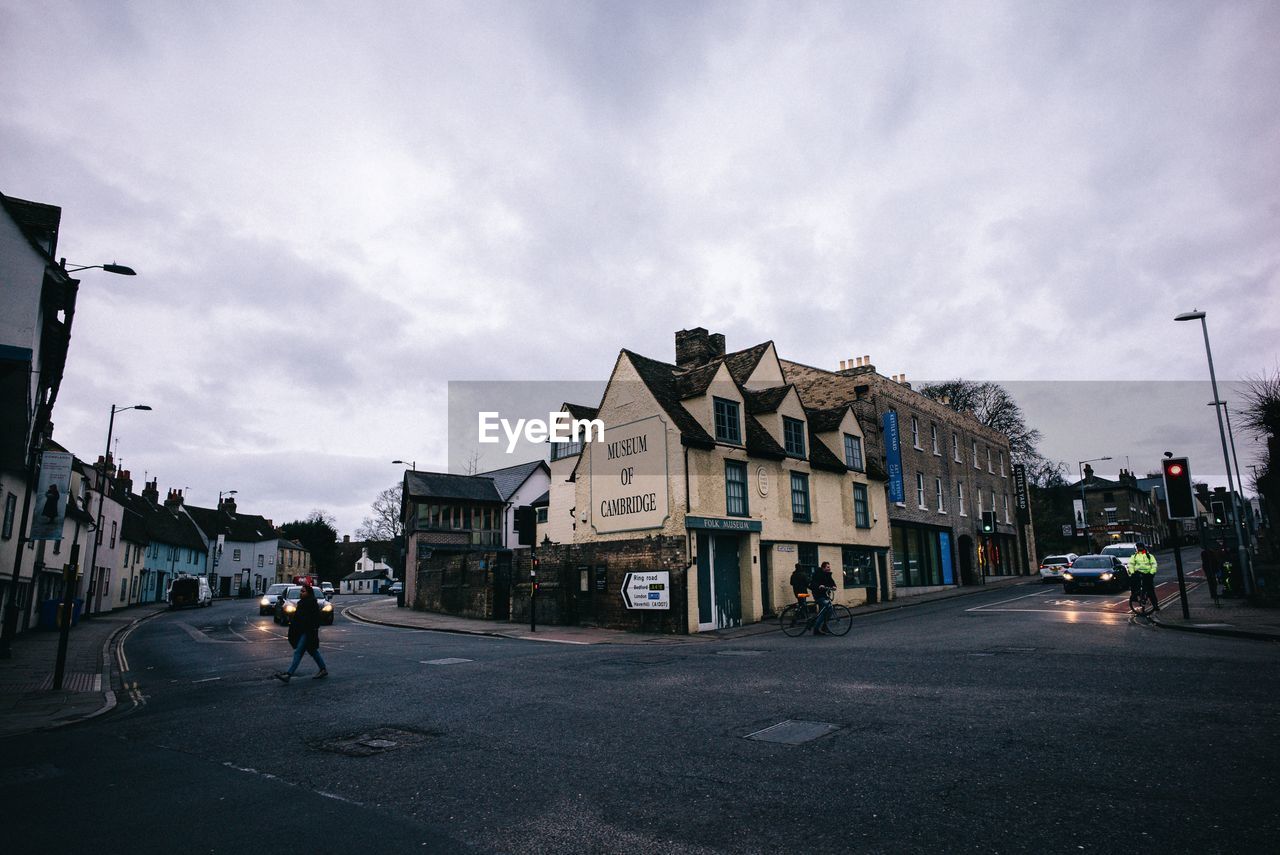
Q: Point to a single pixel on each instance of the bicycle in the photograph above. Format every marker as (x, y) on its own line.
(1139, 602)
(803, 614)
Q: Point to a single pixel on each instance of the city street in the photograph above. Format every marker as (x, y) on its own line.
(1016, 719)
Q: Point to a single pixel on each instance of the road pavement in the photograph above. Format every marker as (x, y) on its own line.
(1008, 721)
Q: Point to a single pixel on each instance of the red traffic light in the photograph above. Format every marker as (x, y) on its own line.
(1175, 469)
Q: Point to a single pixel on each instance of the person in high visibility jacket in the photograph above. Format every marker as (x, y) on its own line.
(1142, 569)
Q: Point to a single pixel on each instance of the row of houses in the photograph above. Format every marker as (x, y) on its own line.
(722, 472)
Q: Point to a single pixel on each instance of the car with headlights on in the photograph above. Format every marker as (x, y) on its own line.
(287, 604)
(267, 603)
(327, 588)
(1095, 573)
(1052, 566)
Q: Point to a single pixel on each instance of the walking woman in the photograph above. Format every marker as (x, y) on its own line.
(304, 635)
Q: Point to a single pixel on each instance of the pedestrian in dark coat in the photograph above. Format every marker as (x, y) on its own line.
(304, 635)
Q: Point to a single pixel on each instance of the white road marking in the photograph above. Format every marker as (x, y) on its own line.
(1002, 602)
(207, 680)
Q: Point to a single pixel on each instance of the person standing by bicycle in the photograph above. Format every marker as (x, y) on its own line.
(823, 586)
(1211, 564)
(1142, 569)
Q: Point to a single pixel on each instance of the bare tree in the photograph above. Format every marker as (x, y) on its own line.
(384, 522)
(992, 405)
(472, 465)
(1261, 415)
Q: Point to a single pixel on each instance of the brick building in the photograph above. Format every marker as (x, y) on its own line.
(1116, 511)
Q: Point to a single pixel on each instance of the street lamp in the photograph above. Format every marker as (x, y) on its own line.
(1084, 506)
(1242, 555)
(412, 464)
(118, 269)
(102, 497)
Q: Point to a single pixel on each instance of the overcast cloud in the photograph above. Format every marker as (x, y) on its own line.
(336, 208)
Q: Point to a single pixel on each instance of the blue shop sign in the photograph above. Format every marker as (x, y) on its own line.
(893, 456)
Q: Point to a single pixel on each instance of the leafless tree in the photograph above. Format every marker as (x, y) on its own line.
(992, 405)
(384, 522)
(472, 465)
(1261, 415)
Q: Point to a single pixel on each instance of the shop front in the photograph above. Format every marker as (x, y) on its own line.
(922, 556)
(724, 557)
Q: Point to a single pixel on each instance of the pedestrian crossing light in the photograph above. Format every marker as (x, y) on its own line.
(1219, 511)
(988, 522)
(1179, 495)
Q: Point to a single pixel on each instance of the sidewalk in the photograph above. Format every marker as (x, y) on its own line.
(28, 701)
(1233, 616)
(386, 613)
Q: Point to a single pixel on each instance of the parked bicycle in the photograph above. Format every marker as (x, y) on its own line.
(801, 616)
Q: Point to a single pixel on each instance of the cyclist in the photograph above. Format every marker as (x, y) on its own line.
(823, 585)
(800, 582)
(1142, 567)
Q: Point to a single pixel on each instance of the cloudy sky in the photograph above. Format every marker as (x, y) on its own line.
(336, 208)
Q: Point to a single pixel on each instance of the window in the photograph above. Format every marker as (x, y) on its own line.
(989, 469)
(1006, 508)
(260, 561)
(937, 489)
(124, 589)
(728, 421)
(542, 515)
(920, 490)
(933, 439)
(235, 555)
(1112, 516)
(97, 537)
(960, 497)
(10, 504)
(735, 488)
(113, 534)
(793, 436)
(1002, 475)
(561, 450)
(853, 452)
(861, 507)
(799, 497)
(915, 434)
(955, 446)
(976, 465)
(126, 555)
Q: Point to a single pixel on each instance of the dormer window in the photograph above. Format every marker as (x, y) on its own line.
(728, 419)
(853, 452)
(793, 436)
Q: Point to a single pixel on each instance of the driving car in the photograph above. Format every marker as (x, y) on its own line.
(1123, 551)
(267, 604)
(1052, 566)
(1095, 572)
(394, 588)
(287, 604)
(327, 589)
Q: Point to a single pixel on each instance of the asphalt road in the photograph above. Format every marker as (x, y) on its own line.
(1008, 721)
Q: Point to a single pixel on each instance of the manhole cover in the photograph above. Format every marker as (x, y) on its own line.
(793, 732)
(739, 652)
(451, 661)
(375, 741)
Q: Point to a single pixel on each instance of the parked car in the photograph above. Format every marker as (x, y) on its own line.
(1095, 572)
(327, 589)
(394, 588)
(1123, 551)
(267, 605)
(1052, 566)
(191, 591)
(287, 604)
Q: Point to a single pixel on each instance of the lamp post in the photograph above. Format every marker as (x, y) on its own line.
(1084, 505)
(1242, 555)
(102, 498)
(412, 464)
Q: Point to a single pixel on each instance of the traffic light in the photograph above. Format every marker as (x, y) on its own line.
(1179, 496)
(1219, 511)
(526, 525)
(988, 522)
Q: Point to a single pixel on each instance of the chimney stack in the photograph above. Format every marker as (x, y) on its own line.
(698, 347)
(173, 501)
(151, 492)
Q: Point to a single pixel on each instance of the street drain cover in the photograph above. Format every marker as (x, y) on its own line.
(739, 652)
(376, 741)
(793, 732)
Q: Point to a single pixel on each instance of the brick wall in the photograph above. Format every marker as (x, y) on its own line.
(456, 584)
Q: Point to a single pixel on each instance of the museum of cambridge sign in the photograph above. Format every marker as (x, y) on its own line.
(629, 477)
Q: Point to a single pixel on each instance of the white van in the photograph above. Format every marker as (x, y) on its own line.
(1123, 551)
(191, 591)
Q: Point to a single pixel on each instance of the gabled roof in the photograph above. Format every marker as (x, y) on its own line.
(826, 420)
(760, 443)
(821, 457)
(365, 574)
(241, 528)
(510, 479)
(443, 485)
(765, 400)
(544, 499)
(162, 525)
(741, 363)
(693, 382)
(580, 411)
(659, 379)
